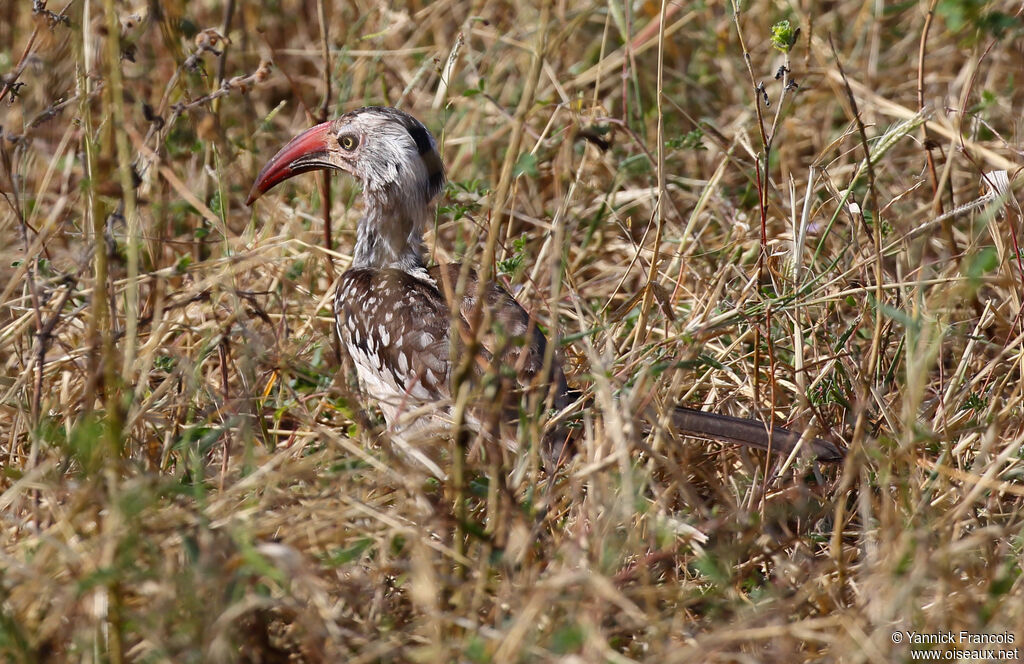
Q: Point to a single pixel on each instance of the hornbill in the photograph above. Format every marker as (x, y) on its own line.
(392, 311)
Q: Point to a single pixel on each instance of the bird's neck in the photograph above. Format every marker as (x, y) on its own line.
(390, 234)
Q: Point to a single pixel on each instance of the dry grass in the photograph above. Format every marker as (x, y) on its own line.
(186, 474)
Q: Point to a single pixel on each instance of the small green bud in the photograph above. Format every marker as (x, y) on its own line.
(784, 36)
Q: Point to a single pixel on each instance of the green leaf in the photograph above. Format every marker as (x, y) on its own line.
(985, 261)
(568, 639)
(348, 554)
(216, 205)
(526, 165)
(164, 363)
(691, 140)
(511, 265)
(296, 270)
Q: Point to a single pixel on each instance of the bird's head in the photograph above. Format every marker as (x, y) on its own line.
(389, 151)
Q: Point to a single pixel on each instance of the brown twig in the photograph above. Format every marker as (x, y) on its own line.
(229, 13)
(43, 338)
(640, 331)
(871, 365)
(10, 80)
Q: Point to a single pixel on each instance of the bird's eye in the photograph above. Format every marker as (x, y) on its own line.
(348, 142)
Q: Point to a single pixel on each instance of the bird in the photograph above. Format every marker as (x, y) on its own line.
(393, 313)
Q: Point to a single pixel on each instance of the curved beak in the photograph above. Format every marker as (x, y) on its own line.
(306, 152)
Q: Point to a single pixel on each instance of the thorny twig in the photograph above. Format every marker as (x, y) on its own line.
(206, 42)
(240, 84)
(53, 18)
(10, 80)
(43, 337)
(236, 83)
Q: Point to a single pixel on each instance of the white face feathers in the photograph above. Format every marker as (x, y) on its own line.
(397, 161)
(388, 149)
(395, 158)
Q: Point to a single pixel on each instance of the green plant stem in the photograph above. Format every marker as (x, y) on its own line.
(115, 92)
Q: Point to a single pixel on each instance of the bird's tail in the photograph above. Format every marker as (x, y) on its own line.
(752, 433)
(560, 441)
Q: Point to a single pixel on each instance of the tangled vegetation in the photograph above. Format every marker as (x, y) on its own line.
(805, 213)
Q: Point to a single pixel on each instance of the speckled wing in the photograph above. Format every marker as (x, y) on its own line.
(395, 327)
(514, 348)
(510, 335)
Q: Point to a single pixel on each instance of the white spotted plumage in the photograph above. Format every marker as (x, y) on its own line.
(391, 315)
